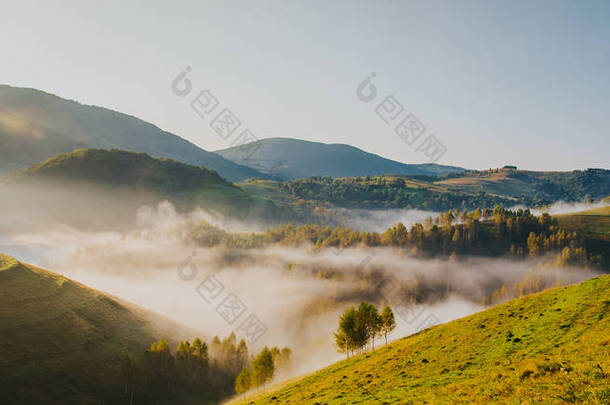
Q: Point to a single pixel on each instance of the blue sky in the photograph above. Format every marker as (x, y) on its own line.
(510, 82)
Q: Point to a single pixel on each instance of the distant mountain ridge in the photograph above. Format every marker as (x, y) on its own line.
(35, 126)
(289, 159)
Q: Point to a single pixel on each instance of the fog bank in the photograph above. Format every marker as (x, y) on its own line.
(297, 293)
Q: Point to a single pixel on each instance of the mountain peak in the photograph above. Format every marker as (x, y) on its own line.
(290, 158)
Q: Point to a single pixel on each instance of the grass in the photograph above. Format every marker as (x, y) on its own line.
(593, 223)
(550, 347)
(594, 226)
(62, 341)
(501, 182)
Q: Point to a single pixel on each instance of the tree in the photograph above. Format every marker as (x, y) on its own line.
(388, 323)
(159, 364)
(371, 321)
(262, 367)
(242, 353)
(199, 361)
(131, 371)
(281, 358)
(357, 328)
(353, 327)
(215, 347)
(243, 382)
(341, 342)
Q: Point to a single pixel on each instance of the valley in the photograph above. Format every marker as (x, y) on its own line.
(181, 276)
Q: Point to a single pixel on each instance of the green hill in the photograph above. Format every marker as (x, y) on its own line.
(35, 126)
(470, 189)
(289, 159)
(537, 187)
(550, 347)
(594, 226)
(594, 223)
(95, 186)
(62, 341)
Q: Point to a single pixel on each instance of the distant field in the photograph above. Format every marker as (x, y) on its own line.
(594, 226)
(500, 183)
(550, 347)
(594, 223)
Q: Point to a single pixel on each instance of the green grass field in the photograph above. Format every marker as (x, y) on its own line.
(550, 347)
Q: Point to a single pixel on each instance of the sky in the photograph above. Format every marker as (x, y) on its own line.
(496, 82)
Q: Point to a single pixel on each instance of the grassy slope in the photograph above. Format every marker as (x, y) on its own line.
(594, 225)
(497, 183)
(62, 341)
(550, 347)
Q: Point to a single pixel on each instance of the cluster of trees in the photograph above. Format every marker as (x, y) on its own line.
(262, 368)
(483, 232)
(358, 328)
(197, 370)
(228, 355)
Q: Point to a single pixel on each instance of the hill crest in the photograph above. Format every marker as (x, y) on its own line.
(290, 158)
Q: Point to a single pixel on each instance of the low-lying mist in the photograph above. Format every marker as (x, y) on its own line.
(379, 220)
(297, 293)
(563, 207)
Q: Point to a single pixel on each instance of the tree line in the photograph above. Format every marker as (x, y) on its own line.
(262, 368)
(198, 370)
(481, 232)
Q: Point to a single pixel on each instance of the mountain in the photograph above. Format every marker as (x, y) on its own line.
(104, 188)
(550, 347)
(35, 126)
(289, 159)
(62, 341)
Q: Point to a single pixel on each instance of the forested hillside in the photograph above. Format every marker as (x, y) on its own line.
(468, 190)
(492, 233)
(113, 184)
